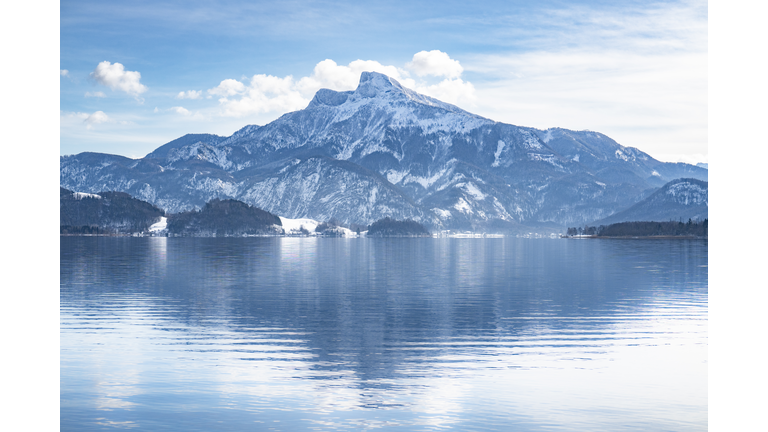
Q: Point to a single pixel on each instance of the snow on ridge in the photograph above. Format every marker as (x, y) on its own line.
(81, 195)
(530, 140)
(395, 102)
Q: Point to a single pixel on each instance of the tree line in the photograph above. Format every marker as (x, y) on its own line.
(119, 213)
(645, 229)
(389, 227)
(105, 213)
(224, 218)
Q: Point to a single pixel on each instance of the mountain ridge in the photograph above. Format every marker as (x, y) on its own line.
(678, 200)
(383, 150)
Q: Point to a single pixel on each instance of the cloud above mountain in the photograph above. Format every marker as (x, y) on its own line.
(267, 93)
(435, 63)
(114, 76)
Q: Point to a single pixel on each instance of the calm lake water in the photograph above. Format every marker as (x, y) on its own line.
(295, 334)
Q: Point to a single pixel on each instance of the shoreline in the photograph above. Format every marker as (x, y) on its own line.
(636, 237)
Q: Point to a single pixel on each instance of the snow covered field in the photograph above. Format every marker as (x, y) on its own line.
(159, 226)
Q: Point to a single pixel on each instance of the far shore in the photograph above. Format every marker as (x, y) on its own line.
(634, 237)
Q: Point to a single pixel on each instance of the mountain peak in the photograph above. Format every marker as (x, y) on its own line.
(373, 84)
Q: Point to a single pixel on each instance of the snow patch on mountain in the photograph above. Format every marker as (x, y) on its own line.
(530, 140)
(394, 177)
(688, 194)
(425, 182)
(81, 195)
(499, 148)
(501, 211)
(463, 206)
(380, 148)
(548, 158)
(472, 190)
(624, 156)
(442, 214)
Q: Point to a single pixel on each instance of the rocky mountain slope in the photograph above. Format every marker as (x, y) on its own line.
(384, 150)
(678, 200)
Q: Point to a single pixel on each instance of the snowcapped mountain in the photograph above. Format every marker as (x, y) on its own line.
(384, 150)
(677, 200)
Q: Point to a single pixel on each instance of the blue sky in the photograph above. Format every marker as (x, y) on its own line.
(135, 75)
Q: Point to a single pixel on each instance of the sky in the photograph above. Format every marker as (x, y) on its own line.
(135, 75)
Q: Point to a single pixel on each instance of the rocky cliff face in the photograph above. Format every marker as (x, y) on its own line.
(384, 150)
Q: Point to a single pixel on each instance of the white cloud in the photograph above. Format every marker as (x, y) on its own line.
(328, 74)
(181, 110)
(270, 94)
(265, 93)
(73, 120)
(450, 90)
(116, 77)
(228, 87)
(435, 63)
(637, 74)
(190, 94)
(96, 118)
(64, 72)
(657, 103)
(97, 94)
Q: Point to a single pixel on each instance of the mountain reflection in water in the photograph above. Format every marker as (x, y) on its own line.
(397, 334)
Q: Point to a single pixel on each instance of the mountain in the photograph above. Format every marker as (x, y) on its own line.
(383, 150)
(678, 200)
(115, 212)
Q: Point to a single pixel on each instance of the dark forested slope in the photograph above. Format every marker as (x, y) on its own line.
(103, 213)
(225, 218)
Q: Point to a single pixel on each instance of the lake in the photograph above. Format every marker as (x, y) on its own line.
(390, 334)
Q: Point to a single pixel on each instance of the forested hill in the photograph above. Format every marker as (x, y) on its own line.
(389, 227)
(104, 213)
(225, 218)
